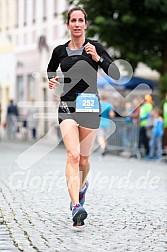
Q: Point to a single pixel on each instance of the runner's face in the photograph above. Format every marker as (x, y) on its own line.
(77, 23)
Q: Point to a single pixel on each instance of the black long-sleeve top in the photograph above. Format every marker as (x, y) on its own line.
(80, 71)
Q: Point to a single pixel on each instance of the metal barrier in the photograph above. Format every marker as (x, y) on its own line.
(125, 137)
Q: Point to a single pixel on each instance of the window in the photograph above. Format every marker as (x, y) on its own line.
(17, 14)
(19, 88)
(31, 87)
(25, 12)
(7, 14)
(44, 9)
(33, 11)
(55, 8)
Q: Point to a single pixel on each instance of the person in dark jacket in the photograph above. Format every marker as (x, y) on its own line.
(12, 119)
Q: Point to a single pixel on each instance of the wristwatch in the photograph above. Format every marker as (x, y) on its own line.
(101, 59)
(51, 77)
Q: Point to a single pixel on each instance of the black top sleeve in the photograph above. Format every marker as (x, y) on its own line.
(53, 63)
(107, 64)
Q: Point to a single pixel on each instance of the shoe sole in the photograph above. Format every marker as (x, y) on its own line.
(78, 219)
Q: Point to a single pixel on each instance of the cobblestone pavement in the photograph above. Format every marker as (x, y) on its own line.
(126, 204)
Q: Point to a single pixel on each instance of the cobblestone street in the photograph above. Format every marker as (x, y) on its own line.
(126, 204)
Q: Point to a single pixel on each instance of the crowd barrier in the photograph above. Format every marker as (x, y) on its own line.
(125, 137)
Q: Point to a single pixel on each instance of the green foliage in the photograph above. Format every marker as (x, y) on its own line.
(137, 29)
(163, 85)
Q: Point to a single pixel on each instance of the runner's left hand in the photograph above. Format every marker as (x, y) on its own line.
(91, 49)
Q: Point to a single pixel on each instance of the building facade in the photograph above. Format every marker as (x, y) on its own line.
(7, 59)
(37, 26)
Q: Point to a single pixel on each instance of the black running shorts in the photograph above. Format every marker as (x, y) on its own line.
(89, 120)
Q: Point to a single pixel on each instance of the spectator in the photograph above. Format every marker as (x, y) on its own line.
(150, 123)
(144, 114)
(118, 107)
(32, 120)
(12, 119)
(155, 142)
(136, 109)
(24, 126)
(127, 128)
(105, 124)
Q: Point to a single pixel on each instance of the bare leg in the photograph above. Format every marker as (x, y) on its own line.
(84, 168)
(102, 142)
(78, 143)
(86, 138)
(70, 134)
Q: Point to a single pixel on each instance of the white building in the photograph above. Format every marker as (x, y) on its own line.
(7, 60)
(39, 27)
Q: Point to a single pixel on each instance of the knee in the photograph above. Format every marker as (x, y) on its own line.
(83, 161)
(73, 157)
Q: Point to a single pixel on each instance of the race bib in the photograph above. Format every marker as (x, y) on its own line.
(86, 102)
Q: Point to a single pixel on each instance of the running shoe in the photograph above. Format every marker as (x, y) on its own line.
(79, 214)
(82, 195)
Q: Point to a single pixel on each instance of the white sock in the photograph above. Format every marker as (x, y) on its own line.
(75, 205)
(82, 189)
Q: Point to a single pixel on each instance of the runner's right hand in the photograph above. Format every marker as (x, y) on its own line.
(53, 83)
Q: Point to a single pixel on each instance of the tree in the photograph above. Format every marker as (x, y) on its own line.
(137, 29)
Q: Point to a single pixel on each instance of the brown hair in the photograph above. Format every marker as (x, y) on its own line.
(77, 8)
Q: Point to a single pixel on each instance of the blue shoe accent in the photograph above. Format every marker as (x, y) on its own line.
(147, 158)
(157, 158)
(79, 214)
(81, 195)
